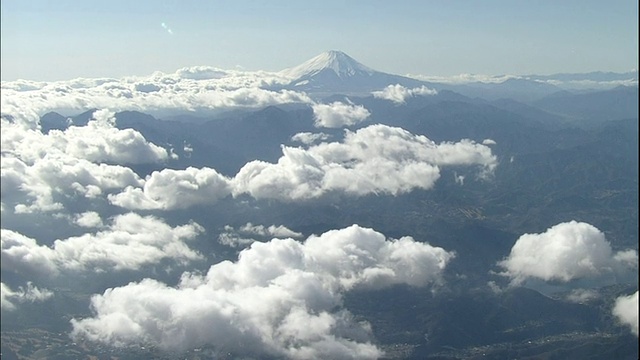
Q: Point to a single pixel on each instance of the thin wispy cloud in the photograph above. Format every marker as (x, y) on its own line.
(11, 298)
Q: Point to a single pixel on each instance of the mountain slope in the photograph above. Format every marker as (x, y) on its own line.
(343, 66)
(336, 72)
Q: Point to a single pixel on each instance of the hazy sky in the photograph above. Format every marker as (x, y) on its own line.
(56, 40)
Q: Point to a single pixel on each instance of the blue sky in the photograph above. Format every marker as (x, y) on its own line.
(56, 40)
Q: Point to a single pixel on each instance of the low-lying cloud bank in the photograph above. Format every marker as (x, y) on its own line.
(187, 89)
(564, 81)
(565, 252)
(281, 298)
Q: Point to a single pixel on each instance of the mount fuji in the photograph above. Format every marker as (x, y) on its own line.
(336, 72)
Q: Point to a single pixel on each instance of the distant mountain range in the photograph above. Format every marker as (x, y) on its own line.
(334, 72)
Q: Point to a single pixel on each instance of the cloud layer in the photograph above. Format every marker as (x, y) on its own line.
(564, 81)
(193, 88)
(282, 298)
(565, 252)
(129, 242)
(85, 161)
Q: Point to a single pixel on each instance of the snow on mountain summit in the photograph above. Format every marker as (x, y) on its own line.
(340, 63)
(334, 72)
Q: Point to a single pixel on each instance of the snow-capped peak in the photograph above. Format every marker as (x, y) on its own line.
(342, 64)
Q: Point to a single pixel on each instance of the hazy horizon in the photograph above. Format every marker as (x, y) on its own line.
(443, 39)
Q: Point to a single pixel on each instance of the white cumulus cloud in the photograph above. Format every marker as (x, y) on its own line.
(375, 159)
(338, 114)
(282, 298)
(129, 242)
(89, 219)
(565, 252)
(46, 183)
(42, 171)
(175, 189)
(399, 94)
(626, 311)
(99, 141)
